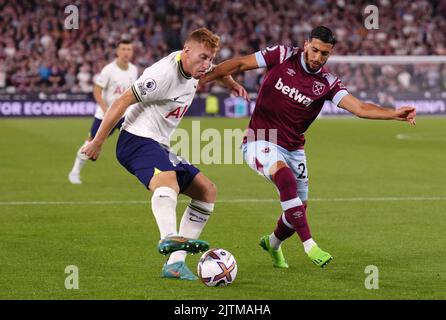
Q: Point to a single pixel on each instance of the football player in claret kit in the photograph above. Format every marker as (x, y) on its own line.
(292, 94)
(112, 81)
(156, 103)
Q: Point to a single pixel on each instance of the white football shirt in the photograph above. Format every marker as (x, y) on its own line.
(164, 93)
(114, 81)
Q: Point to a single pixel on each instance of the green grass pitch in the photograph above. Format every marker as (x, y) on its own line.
(374, 200)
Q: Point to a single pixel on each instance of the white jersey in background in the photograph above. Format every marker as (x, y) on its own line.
(164, 93)
(114, 81)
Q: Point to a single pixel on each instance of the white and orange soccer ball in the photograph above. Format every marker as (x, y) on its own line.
(217, 267)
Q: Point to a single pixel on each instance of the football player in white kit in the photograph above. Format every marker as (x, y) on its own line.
(155, 105)
(113, 80)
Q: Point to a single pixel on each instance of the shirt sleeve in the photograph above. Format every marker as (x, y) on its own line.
(103, 78)
(271, 56)
(337, 92)
(150, 86)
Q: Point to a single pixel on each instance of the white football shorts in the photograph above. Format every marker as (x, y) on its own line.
(261, 155)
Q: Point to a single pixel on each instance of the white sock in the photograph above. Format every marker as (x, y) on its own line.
(80, 160)
(274, 241)
(308, 244)
(164, 205)
(177, 256)
(192, 224)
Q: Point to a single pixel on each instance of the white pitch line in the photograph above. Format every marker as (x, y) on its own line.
(111, 202)
(420, 137)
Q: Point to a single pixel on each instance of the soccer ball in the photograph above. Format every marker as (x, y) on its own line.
(217, 267)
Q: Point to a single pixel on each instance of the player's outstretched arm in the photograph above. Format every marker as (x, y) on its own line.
(229, 67)
(111, 118)
(372, 111)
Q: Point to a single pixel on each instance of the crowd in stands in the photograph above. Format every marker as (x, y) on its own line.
(38, 53)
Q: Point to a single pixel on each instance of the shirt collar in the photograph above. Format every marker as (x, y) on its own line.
(180, 67)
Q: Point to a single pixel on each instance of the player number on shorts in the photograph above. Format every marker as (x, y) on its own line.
(301, 171)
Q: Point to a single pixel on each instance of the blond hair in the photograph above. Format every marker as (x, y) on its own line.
(205, 36)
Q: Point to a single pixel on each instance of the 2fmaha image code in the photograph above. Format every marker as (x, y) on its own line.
(223, 310)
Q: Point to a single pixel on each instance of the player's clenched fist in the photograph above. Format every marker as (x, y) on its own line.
(92, 150)
(406, 114)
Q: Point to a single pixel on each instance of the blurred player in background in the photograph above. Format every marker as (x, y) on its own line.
(114, 79)
(292, 94)
(159, 99)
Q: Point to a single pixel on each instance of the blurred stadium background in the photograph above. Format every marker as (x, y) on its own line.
(42, 64)
(375, 199)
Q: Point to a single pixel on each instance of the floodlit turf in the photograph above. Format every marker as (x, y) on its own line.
(369, 206)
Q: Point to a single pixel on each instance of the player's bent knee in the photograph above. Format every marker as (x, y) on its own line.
(202, 189)
(276, 167)
(164, 179)
(207, 193)
(286, 183)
